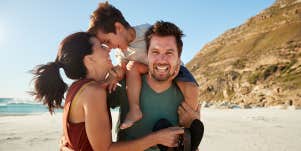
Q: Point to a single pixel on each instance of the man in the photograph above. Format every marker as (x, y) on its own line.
(159, 97)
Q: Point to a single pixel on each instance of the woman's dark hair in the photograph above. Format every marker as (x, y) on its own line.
(49, 87)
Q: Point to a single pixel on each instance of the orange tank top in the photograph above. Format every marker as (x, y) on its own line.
(75, 133)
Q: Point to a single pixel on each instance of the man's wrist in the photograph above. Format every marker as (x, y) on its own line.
(152, 139)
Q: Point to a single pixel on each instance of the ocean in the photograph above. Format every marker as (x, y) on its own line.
(13, 106)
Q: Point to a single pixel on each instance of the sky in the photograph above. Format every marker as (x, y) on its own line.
(31, 30)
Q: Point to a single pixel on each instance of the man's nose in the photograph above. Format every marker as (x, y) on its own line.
(162, 58)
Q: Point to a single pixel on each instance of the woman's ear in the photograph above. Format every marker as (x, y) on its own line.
(88, 60)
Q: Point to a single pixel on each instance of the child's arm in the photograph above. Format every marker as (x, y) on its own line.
(136, 66)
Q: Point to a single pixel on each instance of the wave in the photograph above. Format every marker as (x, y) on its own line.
(5, 99)
(17, 105)
(16, 101)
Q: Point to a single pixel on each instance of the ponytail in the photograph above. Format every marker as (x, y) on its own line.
(49, 87)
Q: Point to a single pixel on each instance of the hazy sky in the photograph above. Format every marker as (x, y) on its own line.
(31, 30)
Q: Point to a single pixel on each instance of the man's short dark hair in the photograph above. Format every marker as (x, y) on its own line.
(163, 28)
(105, 17)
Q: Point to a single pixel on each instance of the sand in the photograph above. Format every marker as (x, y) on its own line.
(225, 130)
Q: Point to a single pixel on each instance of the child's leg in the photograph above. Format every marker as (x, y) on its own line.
(133, 80)
(190, 91)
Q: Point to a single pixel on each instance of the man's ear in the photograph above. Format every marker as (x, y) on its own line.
(179, 61)
(118, 27)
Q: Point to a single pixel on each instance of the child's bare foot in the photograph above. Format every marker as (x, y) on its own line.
(132, 116)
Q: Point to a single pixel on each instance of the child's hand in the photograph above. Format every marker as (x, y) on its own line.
(112, 86)
(115, 74)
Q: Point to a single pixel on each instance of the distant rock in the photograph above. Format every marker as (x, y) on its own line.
(257, 64)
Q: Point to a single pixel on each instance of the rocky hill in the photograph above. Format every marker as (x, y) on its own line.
(257, 64)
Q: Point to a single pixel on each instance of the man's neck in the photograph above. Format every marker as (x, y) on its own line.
(158, 86)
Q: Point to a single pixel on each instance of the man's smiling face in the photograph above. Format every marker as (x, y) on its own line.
(163, 57)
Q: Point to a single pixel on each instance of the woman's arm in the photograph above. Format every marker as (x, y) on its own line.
(98, 126)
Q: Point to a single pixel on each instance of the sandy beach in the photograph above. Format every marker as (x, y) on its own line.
(225, 130)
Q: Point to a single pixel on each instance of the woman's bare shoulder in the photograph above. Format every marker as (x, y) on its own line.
(94, 91)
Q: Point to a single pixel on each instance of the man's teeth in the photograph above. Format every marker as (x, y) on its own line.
(162, 67)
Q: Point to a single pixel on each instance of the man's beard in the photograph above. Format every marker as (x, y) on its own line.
(158, 78)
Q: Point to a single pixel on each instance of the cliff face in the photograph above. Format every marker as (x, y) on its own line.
(255, 64)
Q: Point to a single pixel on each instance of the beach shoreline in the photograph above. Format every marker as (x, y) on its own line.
(225, 129)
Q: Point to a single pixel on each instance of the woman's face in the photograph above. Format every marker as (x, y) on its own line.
(101, 56)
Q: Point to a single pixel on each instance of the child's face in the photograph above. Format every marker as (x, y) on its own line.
(113, 40)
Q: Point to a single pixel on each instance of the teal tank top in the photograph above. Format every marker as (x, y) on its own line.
(154, 107)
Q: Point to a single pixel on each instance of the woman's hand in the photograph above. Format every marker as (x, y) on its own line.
(169, 136)
(63, 144)
(187, 114)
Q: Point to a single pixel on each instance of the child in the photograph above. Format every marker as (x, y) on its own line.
(110, 27)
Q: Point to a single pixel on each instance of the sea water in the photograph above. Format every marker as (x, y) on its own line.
(13, 106)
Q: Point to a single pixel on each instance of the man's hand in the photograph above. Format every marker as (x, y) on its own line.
(169, 136)
(187, 114)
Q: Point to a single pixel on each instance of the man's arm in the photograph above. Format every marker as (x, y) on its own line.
(187, 115)
(190, 118)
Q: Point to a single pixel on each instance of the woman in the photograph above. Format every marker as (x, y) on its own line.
(86, 118)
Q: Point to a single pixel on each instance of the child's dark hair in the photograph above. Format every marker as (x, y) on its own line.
(163, 28)
(49, 87)
(105, 17)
